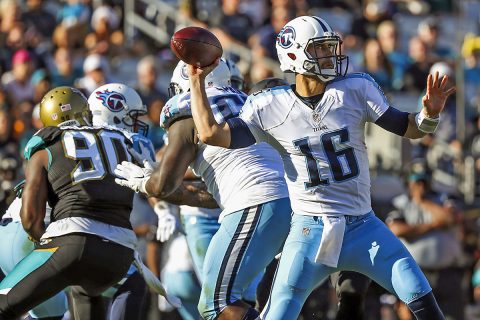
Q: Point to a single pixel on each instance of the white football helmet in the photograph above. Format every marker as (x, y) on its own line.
(303, 32)
(118, 105)
(236, 77)
(219, 77)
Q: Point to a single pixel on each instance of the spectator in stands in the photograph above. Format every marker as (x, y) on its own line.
(229, 24)
(96, 73)
(427, 224)
(64, 37)
(9, 15)
(262, 42)
(63, 71)
(7, 143)
(471, 54)
(373, 14)
(376, 64)
(428, 31)
(105, 37)
(388, 38)
(418, 71)
(37, 19)
(17, 82)
(74, 16)
(154, 99)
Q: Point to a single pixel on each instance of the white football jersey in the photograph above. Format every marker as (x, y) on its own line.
(201, 212)
(239, 178)
(323, 150)
(13, 211)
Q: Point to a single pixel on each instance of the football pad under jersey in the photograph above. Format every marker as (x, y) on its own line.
(323, 149)
(80, 171)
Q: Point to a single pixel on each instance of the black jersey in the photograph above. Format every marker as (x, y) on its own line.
(80, 172)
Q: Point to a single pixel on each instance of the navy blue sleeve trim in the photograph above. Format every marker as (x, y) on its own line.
(394, 120)
(240, 134)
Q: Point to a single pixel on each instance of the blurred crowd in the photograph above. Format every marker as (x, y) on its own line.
(81, 43)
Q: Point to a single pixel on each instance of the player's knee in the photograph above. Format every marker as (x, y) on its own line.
(408, 281)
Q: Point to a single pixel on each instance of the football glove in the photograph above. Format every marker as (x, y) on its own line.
(167, 222)
(132, 176)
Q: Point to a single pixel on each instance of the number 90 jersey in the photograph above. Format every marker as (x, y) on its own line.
(80, 171)
(323, 149)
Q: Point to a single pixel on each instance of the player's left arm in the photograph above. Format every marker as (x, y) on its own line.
(177, 156)
(417, 125)
(35, 194)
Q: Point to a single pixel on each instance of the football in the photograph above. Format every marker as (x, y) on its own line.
(196, 46)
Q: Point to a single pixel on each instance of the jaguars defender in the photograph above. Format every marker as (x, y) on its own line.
(318, 128)
(89, 243)
(248, 185)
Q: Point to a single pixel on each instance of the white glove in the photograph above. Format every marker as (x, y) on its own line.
(167, 222)
(132, 176)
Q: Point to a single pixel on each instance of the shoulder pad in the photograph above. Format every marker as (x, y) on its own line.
(41, 140)
(176, 108)
(265, 96)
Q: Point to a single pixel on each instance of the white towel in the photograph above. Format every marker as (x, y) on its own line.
(332, 239)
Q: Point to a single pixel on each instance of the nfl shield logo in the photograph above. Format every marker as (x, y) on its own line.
(306, 231)
(316, 117)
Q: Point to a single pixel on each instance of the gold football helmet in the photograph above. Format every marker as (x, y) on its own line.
(64, 106)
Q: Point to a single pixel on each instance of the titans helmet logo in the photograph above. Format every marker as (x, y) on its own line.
(114, 101)
(286, 37)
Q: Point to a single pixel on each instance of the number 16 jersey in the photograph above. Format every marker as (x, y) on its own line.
(323, 149)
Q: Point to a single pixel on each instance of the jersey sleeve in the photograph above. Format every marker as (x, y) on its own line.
(376, 101)
(178, 107)
(41, 140)
(251, 117)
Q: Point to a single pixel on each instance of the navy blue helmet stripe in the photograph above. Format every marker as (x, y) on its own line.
(324, 27)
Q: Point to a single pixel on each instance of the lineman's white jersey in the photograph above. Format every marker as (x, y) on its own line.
(239, 178)
(323, 150)
(13, 211)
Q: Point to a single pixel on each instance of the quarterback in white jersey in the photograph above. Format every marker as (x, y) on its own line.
(318, 127)
(247, 183)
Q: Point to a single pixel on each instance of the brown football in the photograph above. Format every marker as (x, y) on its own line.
(196, 46)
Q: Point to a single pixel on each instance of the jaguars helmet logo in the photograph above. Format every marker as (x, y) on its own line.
(114, 101)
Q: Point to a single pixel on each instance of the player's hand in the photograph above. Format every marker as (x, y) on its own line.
(436, 95)
(167, 222)
(132, 176)
(201, 72)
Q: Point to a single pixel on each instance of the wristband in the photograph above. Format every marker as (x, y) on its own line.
(426, 124)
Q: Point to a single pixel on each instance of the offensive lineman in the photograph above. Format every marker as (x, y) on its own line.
(318, 128)
(248, 185)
